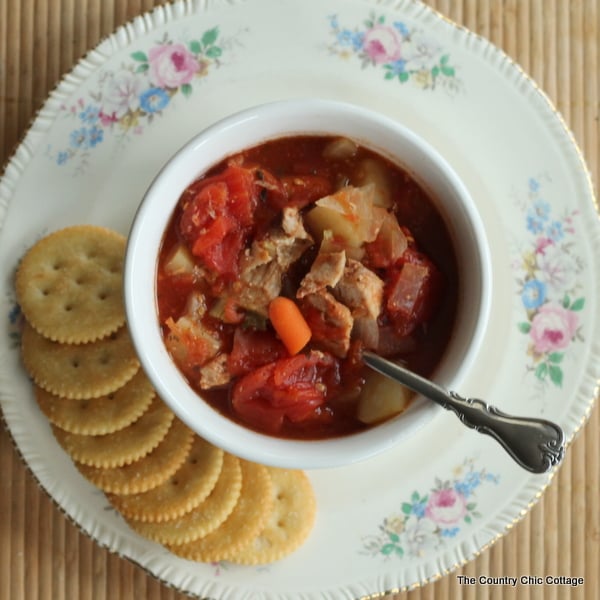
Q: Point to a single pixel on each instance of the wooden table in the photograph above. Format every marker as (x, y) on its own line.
(44, 556)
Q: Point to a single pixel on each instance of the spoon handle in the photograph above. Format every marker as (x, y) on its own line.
(535, 444)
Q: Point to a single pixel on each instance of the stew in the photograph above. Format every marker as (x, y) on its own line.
(285, 261)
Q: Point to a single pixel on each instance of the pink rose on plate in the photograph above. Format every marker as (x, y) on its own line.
(553, 328)
(172, 65)
(446, 506)
(382, 44)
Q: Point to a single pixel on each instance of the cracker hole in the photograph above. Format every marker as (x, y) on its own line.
(193, 461)
(281, 524)
(104, 359)
(103, 295)
(175, 481)
(68, 307)
(75, 363)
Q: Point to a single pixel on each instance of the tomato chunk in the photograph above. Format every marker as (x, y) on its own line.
(252, 349)
(217, 219)
(302, 190)
(292, 388)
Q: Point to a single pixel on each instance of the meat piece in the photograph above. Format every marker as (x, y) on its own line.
(191, 344)
(367, 331)
(285, 249)
(258, 286)
(360, 290)
(330, 322)
(215, 373)
(276, 246)
(326, 271)
(196, 305)
(262, 267)
(292, 223)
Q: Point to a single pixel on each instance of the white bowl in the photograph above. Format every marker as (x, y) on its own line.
(249, 128)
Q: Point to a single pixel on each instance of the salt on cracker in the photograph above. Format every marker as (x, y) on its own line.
(188, 487)
(243, 524)
(289, 522)
(69, 284)
(206, 517)
(98, 416)
(122, 447)
(147, 472)
(78, 371)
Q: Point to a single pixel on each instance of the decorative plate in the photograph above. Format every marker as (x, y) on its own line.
(437, 500)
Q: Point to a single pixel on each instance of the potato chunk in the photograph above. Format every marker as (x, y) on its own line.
(179, 262)
(349, 214)
(381, 398)
(374, 172)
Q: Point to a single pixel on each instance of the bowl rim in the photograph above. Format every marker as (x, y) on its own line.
(169, 382)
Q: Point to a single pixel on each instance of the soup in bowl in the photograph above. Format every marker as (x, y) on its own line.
(273, 249)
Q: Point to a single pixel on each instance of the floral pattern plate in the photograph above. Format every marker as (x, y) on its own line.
(434, 502)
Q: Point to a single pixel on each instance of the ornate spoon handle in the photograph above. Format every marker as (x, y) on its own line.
(535, 444)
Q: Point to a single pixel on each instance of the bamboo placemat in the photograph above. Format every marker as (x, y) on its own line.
(44, 556)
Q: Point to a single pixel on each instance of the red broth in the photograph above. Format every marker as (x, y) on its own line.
(346, 234)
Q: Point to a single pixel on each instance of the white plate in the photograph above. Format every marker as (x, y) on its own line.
(447, 493)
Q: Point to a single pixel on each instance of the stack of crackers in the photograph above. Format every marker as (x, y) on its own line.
(169, 484)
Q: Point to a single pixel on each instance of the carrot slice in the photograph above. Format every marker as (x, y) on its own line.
(289, 323)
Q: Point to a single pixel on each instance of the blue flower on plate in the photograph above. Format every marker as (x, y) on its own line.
(62, 158)
(402, 28)
(418, 508)
(555, 231)
(449, 532)
(534, 224)
(397, 67)
(14, 314)
(96, 135)
(541, 209)
(90, 115)
(533, 294)
(154, 100)
(346, 37)
(79, 138)
(468, 485)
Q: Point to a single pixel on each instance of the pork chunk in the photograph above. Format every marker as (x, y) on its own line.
(326, 271)
(329, 320)
(215, 373)
(292, 224)
(258, 286)
(262, 267)
(360, 290)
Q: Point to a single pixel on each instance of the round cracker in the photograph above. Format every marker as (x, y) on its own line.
(188, 487)
(243, 524)
(148, 472)
(77, 371)
(289, 523)
(98, 416)
(121, 447)
(203, 519)
(69, 284)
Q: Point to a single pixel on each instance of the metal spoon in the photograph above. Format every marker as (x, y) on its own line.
(535, 444)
